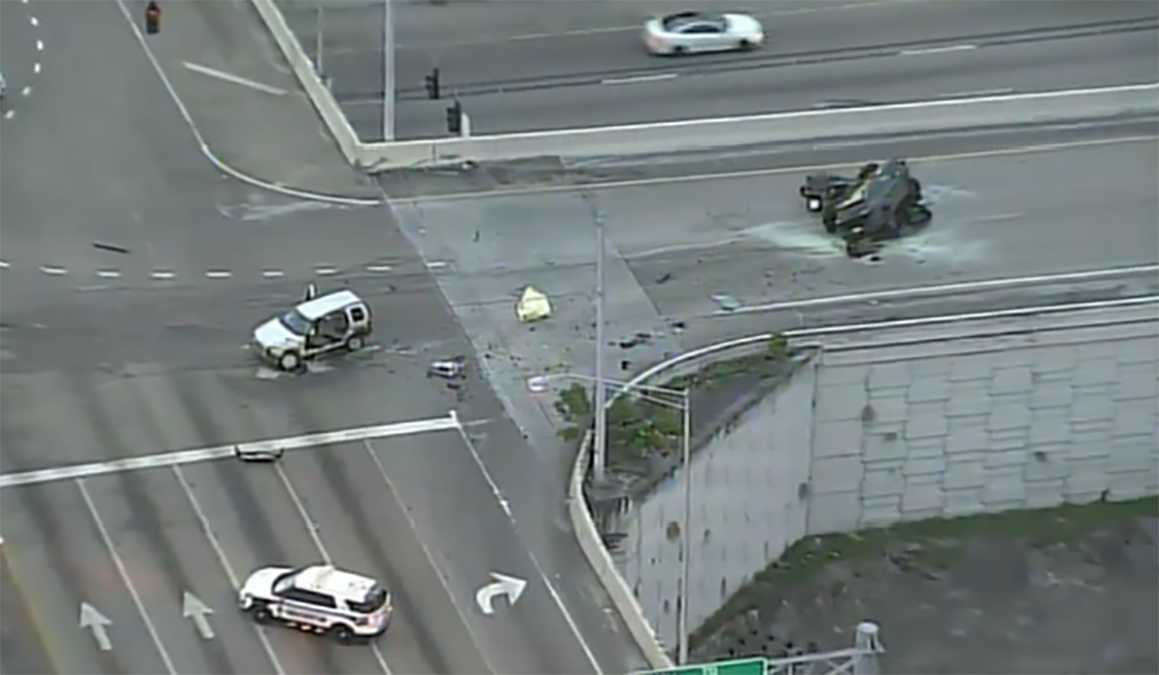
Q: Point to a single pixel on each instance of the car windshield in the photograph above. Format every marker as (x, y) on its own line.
(285, 581)
(374, 601)
(294, 322)
(675, 22)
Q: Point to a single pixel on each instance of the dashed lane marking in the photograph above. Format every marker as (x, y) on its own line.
(217, 273)
(26, 90)
(273, 445)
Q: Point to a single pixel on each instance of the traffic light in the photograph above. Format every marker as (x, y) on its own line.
(433, 84)
(455, 118)
(152, 18)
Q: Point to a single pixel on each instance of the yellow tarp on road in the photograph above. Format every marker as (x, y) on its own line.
(532, 306)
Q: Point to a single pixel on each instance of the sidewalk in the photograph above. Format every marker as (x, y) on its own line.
(246, 102)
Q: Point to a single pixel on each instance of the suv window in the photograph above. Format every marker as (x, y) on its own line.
(357, 314)
(374, 601)
(309, 597)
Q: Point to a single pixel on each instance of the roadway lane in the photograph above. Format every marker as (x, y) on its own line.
(184, 382)
(126, 373)
(1064, 63)
(124, 171)
(21, 48)
(1001, 211)
(544, 66)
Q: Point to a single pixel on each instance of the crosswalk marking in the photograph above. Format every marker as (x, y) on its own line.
(180, 457)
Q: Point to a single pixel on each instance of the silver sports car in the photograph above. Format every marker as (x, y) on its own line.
(692, 32)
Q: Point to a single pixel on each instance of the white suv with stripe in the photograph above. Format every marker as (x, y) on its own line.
(318, 599)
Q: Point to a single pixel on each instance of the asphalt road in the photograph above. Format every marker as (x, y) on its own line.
(21, 47)
(675, 242)
(134, 348)
(516, 69)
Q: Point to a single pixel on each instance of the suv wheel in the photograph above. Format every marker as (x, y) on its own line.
(289, 361)
(354, 343)
(261, 613)
(343, 634)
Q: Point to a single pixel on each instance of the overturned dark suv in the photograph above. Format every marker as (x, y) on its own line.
(883, 202)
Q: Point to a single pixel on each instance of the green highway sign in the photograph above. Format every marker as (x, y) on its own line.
(737, 667)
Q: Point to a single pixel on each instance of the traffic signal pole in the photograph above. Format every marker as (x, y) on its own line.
(387, 70)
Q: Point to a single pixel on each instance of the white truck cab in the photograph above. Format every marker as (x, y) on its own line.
(318, 599)
(316, 326)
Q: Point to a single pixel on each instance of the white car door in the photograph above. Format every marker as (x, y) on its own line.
(708, 37)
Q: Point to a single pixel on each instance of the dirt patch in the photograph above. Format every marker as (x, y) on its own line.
(1073, 589)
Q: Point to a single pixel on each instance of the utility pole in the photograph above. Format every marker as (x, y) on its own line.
(319, 38)
(600, 457)
(387, 70)
(686, 528)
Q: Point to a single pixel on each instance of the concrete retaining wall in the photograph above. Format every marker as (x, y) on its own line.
(911, 423)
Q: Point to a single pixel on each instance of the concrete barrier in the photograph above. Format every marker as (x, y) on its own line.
(583, 524)
(923, 116)
(303, 68)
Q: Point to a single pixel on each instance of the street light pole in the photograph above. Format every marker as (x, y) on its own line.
(387, 70)
(600, 456)
(686, 530)
(319, 40)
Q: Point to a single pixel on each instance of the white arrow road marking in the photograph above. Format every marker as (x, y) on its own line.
(512, 587)
(193, 608)
(98, 623)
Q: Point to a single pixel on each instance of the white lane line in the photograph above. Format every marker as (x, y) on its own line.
(34, 21)
(937, 50)
(9, 114)
(979, 93)
(640, 78)
(218, 274)
(109, 274)
(427, 552)
(313, 528)
(52, 270)
(378, 268)
(506, 506)
(273, 274)
(36, 68)
(325, 271)
(228, 77)
(26, 91)
(219, 551)
(124, 572)
(40, 45)
(3, 265)
(180, 457)
(437, 265)
(163, 274)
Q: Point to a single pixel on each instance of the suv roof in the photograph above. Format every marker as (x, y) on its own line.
(321, 306)
(335, 582)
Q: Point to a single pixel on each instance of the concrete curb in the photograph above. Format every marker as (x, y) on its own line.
(583, 524)
(208, 152)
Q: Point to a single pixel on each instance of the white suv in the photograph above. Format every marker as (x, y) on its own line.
(318, 599)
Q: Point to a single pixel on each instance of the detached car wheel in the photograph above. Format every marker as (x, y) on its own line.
(289, 361)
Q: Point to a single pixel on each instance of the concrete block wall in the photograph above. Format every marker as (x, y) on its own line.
(749, 505)
(948, 427)
(907, 425)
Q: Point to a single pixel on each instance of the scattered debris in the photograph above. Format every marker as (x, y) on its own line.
(677, 325)
(110, 247)
(262, 454)
(533, 305)
(727, 302)
(448, 369)
(664, 278)
(635, 341)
